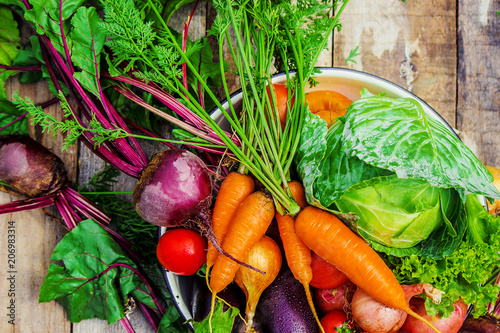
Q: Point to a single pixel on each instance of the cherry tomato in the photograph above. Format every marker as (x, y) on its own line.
(327, 104)
(325, 275)
(181, 251)
(281, 93)
(334, 319)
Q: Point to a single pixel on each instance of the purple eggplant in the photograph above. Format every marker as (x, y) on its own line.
(284, 309)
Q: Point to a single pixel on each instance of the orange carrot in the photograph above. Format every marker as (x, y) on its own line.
(233, 190)
(298, 255)
(328, 237)
(249, 224)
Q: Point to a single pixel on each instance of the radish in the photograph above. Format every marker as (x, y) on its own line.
(452, 324)
(338, 298)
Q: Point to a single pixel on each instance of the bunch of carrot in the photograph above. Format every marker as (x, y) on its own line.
(241, 217)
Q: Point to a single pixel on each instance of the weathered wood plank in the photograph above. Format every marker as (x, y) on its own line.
(479, 78)
(36, 235)
(412, 44)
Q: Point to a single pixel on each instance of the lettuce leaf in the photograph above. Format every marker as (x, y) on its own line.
(461, 274)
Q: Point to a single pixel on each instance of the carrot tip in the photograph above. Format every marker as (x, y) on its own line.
(311, 305)
(419, 317)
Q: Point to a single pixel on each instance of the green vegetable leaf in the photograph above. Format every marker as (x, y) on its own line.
(339, 170)
(9, 46)
(397, 135)
(354, 53)
(46, 18)
(9, 37)
(323, 164)
(222, 321)
(88, 41)
(310, 153)
(171, 6)
(97, 277)
(461, 274)
(444, 240)
(26, 57)
(8, 113)
(172, 322)
(480, 223)
(394, 212)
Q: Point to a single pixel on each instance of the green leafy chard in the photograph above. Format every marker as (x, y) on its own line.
(8, 114)
(88, 42)
(9, 46)
(97, 279)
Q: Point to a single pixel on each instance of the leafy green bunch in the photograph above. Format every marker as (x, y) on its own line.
(405, 183)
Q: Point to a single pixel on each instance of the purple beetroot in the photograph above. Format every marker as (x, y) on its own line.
(174, 187)
(29, 168)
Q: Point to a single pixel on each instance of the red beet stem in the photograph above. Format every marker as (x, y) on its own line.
(28, 204)
(85, 206)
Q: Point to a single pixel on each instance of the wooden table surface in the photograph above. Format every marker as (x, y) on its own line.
(446, 52)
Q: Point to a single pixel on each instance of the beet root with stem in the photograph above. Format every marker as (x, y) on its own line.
(174, 187)
(29, 168)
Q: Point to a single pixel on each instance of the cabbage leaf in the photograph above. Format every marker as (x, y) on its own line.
(397, 135)
(402, 173)
(393, 211)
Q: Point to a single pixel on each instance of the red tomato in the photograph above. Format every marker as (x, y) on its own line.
(334, 319)
(181, 251)
(281, 92)
(325, 275)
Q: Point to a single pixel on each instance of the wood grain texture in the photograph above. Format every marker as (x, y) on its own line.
(478, 117)
(36, 237)
(412, 44)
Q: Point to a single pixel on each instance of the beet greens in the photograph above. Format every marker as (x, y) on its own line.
(94, 283)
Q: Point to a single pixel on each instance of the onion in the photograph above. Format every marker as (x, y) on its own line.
(375, 317)
(266, 256)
